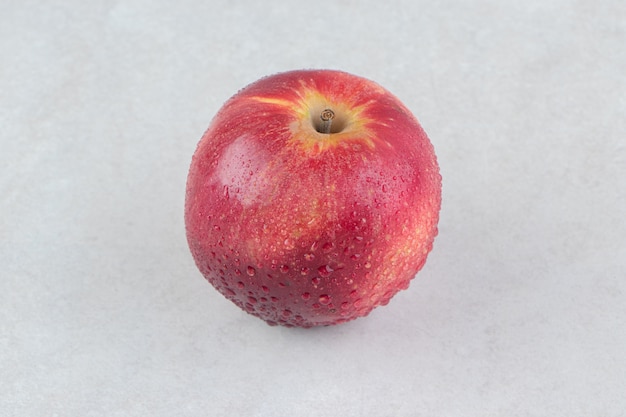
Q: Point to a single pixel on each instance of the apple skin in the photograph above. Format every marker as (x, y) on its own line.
(302, 228)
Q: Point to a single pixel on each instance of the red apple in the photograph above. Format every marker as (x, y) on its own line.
(312, 198)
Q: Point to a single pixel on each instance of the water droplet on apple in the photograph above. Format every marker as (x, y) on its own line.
(315, 281)
(345, 305)
(306, 296)
(230, 292)
(226, 192)
(384, 188)
(252, 300)
(274, 299)
(287, 313)
(240, 285)
(265, 289)
(324, 299)
(357, 303)
(304, 270)
(251, 271)
(325, 270)
(316, 305)
(314, 246)
(309, 256)
(284, 269)
(328, 247)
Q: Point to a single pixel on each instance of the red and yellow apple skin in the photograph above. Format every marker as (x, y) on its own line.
(303, 228)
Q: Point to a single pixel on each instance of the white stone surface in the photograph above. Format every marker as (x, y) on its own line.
(520, 310)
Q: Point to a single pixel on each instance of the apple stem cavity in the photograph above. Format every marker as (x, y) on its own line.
(327, 117)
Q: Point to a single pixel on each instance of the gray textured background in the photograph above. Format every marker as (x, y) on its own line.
(520, 310)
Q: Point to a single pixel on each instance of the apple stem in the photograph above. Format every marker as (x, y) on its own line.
(327, 117)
